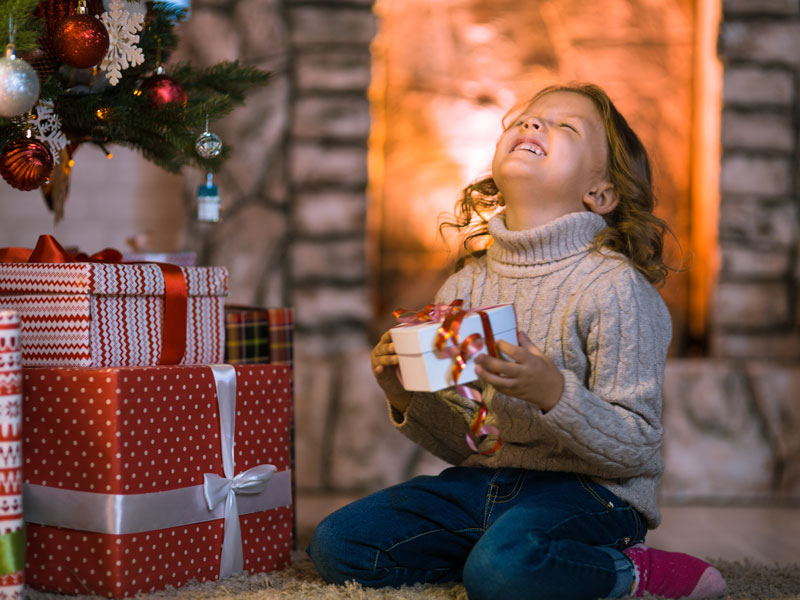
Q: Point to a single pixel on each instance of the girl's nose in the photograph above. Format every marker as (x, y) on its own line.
(534, 123)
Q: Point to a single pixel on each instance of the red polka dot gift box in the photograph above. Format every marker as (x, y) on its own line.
(137, 478)
(98, 314)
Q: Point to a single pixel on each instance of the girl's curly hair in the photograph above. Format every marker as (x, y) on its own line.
(632, 228)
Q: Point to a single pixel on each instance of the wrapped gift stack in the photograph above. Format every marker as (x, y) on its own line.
(148, 461)
(12, 540)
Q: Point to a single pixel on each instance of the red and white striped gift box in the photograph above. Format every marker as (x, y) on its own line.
(84, 314)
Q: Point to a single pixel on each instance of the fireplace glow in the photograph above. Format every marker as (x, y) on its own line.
(444, 74)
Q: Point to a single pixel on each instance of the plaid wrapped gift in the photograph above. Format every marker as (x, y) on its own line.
(258, 335)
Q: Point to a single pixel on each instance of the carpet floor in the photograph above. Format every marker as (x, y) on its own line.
(746, 581)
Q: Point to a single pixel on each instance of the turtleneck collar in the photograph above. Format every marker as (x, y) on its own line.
(541, 249)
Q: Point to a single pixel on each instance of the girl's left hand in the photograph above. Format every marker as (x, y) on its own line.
(529, 374)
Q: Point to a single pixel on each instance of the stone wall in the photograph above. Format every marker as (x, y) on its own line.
(296, 232)
(756, 310)
(294, 228)
(731, 421)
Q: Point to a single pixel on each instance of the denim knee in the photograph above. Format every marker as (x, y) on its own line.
(338, 557)
(324, 550)
(503, 571)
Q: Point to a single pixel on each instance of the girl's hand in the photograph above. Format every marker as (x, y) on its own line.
(384, 368)
(530, 375)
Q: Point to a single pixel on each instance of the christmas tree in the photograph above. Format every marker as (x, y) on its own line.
(95, 72)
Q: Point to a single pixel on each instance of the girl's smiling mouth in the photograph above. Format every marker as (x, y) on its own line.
(530, 146)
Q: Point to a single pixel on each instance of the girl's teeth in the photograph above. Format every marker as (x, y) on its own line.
(530, 148)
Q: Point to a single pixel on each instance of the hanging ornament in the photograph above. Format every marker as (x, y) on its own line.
(123, 27)
(162, 89)
(55, 190)
(19, 83)
(47, 129)
(44, 63)
(52, 13)
(25, 163)
(131, 6)
(208, 201)
(81, 40)
(208, 145)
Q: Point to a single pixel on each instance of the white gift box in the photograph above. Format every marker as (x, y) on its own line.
(425, 369)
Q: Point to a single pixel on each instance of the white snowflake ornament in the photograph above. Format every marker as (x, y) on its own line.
(47, 128)
(123, 29)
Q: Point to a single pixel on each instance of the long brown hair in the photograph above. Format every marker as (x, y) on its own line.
(632, 228)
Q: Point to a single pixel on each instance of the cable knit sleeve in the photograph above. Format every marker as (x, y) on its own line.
(611, 416)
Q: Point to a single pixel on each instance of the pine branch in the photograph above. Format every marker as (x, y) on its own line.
(27, 26)
(227, 77)
(158, 35)
(91, 112)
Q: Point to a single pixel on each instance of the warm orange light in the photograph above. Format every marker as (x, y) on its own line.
(71, 163)
(102, 113)
(109, 156)
(442, 79)
(705, 168)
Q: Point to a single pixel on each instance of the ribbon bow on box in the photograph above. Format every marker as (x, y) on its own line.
(48, 250)
(451, 317)
(216, 488)
(259, 488)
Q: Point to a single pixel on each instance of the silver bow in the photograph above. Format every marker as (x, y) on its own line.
(120, 514)
(216, 488)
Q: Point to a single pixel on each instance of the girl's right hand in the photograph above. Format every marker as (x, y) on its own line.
(384, 368)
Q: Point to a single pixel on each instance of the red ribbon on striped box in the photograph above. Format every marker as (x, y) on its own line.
(80, 310)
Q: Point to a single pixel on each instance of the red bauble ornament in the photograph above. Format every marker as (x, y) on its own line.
(81, 41)
(26, 163)
(52, 13)
(42, 61)
(163, 89)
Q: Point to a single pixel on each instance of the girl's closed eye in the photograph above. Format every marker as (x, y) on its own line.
(568, 126)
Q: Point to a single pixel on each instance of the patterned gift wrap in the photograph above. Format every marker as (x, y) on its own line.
(110, 315)
(118, 463)
(258, 335)
(12, 533)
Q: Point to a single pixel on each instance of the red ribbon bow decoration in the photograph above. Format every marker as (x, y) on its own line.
(173, 334)
(451, 316)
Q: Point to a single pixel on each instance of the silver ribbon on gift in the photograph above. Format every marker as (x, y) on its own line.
(255, 490)
(216, 488)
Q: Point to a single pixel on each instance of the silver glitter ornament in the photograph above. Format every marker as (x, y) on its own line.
(208, 145)
(19, 85)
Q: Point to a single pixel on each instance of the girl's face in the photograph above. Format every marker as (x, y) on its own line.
(553, 154)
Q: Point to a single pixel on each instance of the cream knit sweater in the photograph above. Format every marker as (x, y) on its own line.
(602, 324)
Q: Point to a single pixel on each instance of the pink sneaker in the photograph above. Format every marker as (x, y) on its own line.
(673, 574)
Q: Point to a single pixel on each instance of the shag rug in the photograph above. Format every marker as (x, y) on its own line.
(746, 581)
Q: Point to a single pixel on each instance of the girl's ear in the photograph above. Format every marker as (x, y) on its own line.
(601, 199)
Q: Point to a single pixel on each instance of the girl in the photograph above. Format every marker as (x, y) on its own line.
(561, 509)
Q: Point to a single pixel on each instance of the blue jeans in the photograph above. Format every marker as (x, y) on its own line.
(506, 533)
